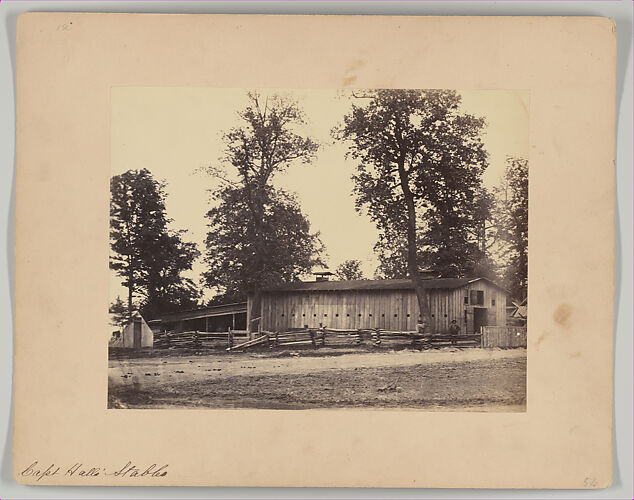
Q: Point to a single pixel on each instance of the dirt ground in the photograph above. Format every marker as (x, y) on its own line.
(443, 379)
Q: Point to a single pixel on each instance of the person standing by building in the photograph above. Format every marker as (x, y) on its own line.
(454, 328)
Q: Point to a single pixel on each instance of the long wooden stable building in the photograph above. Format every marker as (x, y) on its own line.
(385, 304)
(218, 318)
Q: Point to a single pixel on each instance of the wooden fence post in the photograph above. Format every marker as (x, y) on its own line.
(377, 340)
(230, 337)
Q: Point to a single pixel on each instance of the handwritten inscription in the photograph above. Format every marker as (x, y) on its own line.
(130, 469)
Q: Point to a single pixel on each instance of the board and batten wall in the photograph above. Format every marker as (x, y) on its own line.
(385, 309)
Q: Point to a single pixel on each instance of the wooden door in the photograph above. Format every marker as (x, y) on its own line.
(480, 318)
(137, 333)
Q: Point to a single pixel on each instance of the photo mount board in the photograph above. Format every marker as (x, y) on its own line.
(66, 65)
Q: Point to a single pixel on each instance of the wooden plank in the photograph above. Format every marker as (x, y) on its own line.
(364, 310)
(249, 343)
(376, 309)
(393, 321)
(350, 310)
(281, 311)
(266, 319)
(292, 307)
(315, 307)
(380, 310)
(402, 324)
(320, 309)
(310, 310)
(336, 310)
(388, 309)
(301, 313)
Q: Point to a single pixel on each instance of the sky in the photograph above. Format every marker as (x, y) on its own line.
(176, 131)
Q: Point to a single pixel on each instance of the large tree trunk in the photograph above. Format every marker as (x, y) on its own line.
(255, 313)
(256, 203)
(412, 247)
(130, 286)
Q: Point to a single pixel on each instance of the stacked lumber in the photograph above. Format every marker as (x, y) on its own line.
(309, 337)
(184, 340)
(198, 340)
(343, 337)
(392, 338)
(161, 340)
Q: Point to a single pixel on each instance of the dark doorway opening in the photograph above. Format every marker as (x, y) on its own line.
(137, 333)
(479, 318)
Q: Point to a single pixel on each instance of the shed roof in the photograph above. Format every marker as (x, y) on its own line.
(397, 284)
(206, 312)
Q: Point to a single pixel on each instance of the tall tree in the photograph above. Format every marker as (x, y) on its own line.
(167, 289)
(119, 313)
(420, 162)
(239, 262)
(349, 270)
(258, 252)
(144, 252)
(511, 214)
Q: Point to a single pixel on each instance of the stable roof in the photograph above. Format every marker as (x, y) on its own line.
(397, 284)
(206, 312)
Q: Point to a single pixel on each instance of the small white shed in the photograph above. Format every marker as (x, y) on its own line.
(136, 334)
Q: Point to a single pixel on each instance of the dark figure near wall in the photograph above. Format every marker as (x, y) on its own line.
(454, 328)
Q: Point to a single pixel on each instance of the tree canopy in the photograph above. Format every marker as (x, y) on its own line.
(349, 270)
(148, 256)
(244, 256)
(511, 219)
(420, 164)
(258, 235)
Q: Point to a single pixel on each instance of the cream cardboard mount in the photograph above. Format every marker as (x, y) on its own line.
(64, 432)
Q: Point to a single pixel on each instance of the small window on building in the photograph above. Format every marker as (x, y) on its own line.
(466, 300)
(408, 315)
(492, 302)
(476, 297)
(282, 315)
(396, 315)
(383, 315)
(370, 314)
(325, 315)
(314, 315)
(337, 315)
(445, 315)
(359, 314)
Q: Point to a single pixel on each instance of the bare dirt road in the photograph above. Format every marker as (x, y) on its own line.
(467, 379)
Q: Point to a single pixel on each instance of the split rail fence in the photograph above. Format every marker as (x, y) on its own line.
(235, 340)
